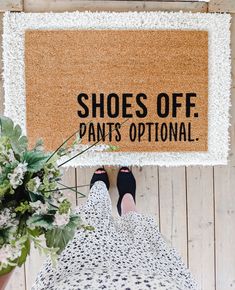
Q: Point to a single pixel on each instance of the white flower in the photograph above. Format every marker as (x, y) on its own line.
(11, 156)
(39, 207)
(37, 183)
(61, 219)
(7, 218)
(9, 253)
(7, 155)
(57, 194)
(3, 150)
(50, 175)
(58, 198)
(16, 178)
(21, 168)
(13, 180)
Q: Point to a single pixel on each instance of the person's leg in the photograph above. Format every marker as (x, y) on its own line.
(100, 175)
(126, 186)
(99, 171)
(128, 204)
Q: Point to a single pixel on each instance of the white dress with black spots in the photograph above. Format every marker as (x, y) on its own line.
(127, 252)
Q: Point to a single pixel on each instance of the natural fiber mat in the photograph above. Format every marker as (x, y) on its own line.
(152, 77)
(167, 75)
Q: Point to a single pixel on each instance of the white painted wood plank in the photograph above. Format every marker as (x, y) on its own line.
(147, 190)
(17, 280)
(33, 265)
(83, 5)
(221, 6)
(172, 197)
(68, 180)
(171, 0)
(201, 225)
(225, 225)
(11, 5)
(232, 130)
(232, 109)
(83, 179)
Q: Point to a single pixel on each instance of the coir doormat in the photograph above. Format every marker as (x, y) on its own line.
(155, 85)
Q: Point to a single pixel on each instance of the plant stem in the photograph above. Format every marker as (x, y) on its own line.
(89, 146)
(64, 143)
(64, 188)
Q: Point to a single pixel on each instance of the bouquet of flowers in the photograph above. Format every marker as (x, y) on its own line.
(32, 205)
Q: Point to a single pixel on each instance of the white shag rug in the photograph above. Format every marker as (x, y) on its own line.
(218, 27)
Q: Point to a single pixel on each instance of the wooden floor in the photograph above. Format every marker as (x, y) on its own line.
(194, 207)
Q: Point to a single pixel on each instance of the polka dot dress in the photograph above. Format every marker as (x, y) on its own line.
(126, 253)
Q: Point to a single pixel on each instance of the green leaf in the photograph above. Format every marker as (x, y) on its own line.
(88, 228)
(18, 142)
(5, 187)
(39, 145)
(113, 148)
(35, 160)
(24, 253)
(27, 176)
(35, 232)
(23, 207)
(64, 206)
(59, 237)
(40, 221)
(6, 270)
(33, 197)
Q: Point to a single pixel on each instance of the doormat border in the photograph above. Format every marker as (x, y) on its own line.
(219, 70)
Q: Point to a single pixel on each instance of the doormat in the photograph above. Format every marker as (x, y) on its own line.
(105, 76)
(154, 85)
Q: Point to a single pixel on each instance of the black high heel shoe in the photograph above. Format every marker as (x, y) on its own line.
(126, 184)
(100, 177)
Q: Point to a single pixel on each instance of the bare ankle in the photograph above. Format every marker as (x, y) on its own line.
(128, 203)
